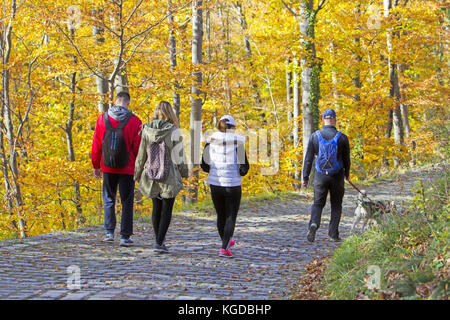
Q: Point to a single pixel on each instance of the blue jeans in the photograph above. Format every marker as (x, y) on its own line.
(125, 183)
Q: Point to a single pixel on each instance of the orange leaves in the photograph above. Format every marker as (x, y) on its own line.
(233, 75)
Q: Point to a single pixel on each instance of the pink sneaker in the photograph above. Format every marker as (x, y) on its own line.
(225, 253)
(232, 243)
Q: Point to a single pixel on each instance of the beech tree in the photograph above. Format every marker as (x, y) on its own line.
(196, 91)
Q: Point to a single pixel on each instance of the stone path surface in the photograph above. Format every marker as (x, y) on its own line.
(269, 256)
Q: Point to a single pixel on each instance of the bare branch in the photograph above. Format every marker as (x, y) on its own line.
(321, 5)
(290, 9)
(146, 31)
(132, 13)
(80, 55)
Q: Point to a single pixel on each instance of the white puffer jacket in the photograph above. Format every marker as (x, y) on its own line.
(224, 166)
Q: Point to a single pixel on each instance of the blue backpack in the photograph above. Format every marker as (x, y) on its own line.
(327, 162)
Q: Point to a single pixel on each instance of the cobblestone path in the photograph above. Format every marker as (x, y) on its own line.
(270, 253)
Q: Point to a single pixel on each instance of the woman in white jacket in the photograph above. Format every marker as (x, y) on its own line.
(225, 160)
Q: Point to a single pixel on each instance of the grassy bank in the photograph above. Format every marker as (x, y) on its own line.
(405, 257)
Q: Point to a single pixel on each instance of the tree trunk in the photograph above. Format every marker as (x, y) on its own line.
(12, 192)
(223, 12)
(208, 34)
(248, 50)
(196, 101)
(405, 117)
(336, 97)
(404, 107)
(357, 59)
(121, 82)
(394, 90)
(100, 80)
(310, 72)
(289, 90)
(173, 59)
(80, 219)
(296, 115)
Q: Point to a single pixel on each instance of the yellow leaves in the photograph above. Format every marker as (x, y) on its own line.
(47, 177)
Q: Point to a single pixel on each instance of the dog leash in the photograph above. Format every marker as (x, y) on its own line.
(365, 195)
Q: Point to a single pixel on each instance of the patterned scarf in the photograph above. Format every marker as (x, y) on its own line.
(118, 113)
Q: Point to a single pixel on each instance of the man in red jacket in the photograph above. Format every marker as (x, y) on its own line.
(114, 150)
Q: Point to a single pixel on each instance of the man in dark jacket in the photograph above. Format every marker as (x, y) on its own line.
(325, 181)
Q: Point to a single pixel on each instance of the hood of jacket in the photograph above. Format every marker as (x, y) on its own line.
(228, 137)
(157, 130)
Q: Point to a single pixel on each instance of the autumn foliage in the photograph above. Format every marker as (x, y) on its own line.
(63, 62)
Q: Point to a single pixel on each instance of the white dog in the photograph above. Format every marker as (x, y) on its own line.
(368, 211)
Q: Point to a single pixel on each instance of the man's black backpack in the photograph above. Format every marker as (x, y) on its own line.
(114, 149)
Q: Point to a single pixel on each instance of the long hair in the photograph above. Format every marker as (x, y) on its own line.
(164, 111)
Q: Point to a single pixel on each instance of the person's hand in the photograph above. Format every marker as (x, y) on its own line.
(98, 173)
(304, 183)
(347, 179)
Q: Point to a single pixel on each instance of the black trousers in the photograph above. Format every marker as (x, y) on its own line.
(322, 185)
(125, 183)
(226, 201)
(161, 217)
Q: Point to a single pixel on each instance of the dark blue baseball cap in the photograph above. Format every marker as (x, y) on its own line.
(329, 114)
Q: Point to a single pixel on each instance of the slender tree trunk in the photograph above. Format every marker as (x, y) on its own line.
(296, 115)
(310, 72)
(119, 68)
(394, 91)
(404, 107)
(334, 78)
(208, 34)
(225, 46)
(13, 192)
(405, 117)
(196, 100)
(357, 59)
(100, 80)
(387, 134)
(173, 59)
(69, 139)
(289, 89)
(248, 50)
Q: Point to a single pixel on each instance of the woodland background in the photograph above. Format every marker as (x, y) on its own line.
(272, 64)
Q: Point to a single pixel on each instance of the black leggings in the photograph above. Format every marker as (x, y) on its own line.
(161, 216)
(226, 202)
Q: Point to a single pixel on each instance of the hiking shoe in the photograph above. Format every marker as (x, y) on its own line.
(335, 239)
(126, 242)
(161, 248)
(109, 237)
(311, 236)
(225, 253)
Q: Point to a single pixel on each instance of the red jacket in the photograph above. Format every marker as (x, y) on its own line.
(132, 141)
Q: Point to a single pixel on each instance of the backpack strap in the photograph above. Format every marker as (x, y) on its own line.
(106, 120)
(319, 136)
(336, 137)
(121, 125)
